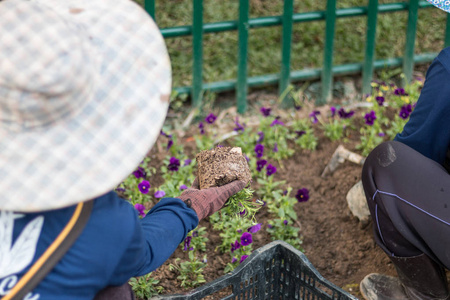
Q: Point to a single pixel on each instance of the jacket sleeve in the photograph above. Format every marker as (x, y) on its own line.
(428, 129)
(155, 238)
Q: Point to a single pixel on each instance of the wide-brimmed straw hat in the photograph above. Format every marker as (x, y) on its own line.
(84, 91)
(442, 4)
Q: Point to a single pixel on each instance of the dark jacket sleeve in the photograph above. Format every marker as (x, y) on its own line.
(156, 237)
(428, 130)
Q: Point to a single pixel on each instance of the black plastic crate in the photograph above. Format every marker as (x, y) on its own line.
(274, 271)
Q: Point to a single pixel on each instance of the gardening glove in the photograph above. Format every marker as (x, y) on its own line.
(207, 201)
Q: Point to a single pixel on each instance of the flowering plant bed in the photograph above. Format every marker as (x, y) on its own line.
(287, 151)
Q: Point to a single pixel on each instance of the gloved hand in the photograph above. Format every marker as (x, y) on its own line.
(207, 201)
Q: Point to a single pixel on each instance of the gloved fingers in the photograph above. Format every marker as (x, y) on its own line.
(231, 188)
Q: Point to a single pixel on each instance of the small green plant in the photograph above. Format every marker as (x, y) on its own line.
(280, 229)
(145, 287)
(191, 271)
(303, 135)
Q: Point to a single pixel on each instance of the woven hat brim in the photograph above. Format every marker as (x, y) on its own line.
(91, 153)
(442, 4)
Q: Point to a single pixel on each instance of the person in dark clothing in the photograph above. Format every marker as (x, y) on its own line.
(407, 185)
(84, 91)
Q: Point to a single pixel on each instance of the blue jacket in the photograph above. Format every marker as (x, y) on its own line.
(114, 246)
(428, 130)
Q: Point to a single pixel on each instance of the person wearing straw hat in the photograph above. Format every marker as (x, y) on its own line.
(84, 90)
(407, 185)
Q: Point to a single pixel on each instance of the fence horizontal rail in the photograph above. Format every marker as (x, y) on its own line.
(277, 20)
(306, 74)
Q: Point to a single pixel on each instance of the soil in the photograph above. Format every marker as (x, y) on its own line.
(338, 245)
(219, 166)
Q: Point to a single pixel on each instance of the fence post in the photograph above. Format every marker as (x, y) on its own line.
(286, 50)
(243, 28)
(447, 32)
(149, 6)
(408, 58)
(372, 14)
(197, 47)
(327, 72)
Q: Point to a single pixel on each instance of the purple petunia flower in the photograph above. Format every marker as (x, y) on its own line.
(299, 133)
(187, 242)
(235, 246)
(270, 226)
(254, 228)
(183, 187)
(260, 164)
(400, 92)
(174, 163)
(275, 147)
(165, 134)
(211, 118)
(276, 122)
(271, 169)
(201, 126)
(144, 186)
(120, 189)
(333, 111)
(243, 257)
(234, 260)
(195, 233)
(370, 118)
(302, 195)
(265, 111)
(313, 116)
(381, 134)
(285, 192)
(169, 144)
(405, 111)
(297, 107)
(187, 162)
(140, 208)
(239, 127)
(261, 137)
(259, 150)
(139, 173)
(159, 194)
(380, 100)
(345, 115)
(246, 239)
(285, 222)
(242, 213)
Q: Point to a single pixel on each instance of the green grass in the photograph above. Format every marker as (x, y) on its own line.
(220, 49)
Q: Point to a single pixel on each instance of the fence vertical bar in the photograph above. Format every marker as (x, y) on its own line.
(447, 32)
(149, 6)
(286, 49)
(327, 75)
(243, 28)
(408, 58)
(372, 14)
(197, 45)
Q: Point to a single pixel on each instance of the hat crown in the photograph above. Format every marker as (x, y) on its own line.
(46, 71)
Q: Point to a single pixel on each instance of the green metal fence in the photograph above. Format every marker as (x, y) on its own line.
(244, 24)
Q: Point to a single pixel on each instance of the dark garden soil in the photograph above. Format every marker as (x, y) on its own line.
(337, 244)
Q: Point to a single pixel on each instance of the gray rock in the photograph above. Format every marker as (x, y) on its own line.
(357, 203)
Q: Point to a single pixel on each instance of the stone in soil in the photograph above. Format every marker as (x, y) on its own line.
(222, 165)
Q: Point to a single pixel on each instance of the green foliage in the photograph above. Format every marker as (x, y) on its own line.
(145, 287)
(241, 205)
(281, 229)
(304, 134)
(191, 271)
